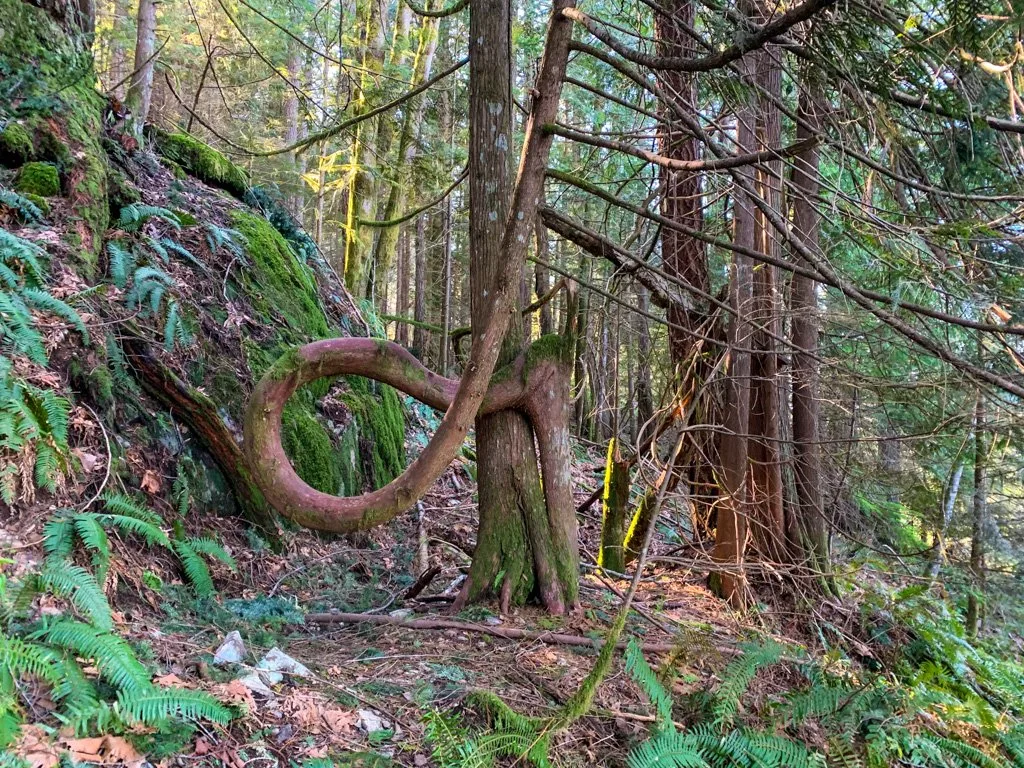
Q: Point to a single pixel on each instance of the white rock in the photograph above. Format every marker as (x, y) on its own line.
(255, 683)
(371, 721)
(277, 661)
(401, 613)
(231, 651)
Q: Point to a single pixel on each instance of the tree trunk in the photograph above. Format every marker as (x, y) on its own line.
(140, 87)
(644, 396)
(362, 197)
(419, 333)
(732, 524)
(402, 294)
(384, 250)
(807, 533)
(765, 484)
(542, 279)
(518, 552)
(979, 526)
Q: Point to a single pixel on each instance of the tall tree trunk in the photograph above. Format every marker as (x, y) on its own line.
(807, 531)
(542, 278)
(685, 257)
(765, 485)
(644, 394)
(516, 554)
(419, 333)
(291, 118)
(402, 295)
(362, 196)
(384, 249)
(732, 518)
(140, 87)
(979, 525)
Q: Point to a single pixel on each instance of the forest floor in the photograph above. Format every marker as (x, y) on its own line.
(369, 686)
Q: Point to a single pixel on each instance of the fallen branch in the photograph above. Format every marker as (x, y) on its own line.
(505, 633)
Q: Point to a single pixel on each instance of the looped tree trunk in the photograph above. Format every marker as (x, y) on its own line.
(536, 384)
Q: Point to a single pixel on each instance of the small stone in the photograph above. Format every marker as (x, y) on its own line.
(420, 760)
(492, 621)
(284, 733)
(401, 613)
(277, 661)
(231, 651)
(371, 721)
(254, 683)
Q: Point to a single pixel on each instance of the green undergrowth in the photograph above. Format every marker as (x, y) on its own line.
(97, 681)
(938, 701)
(202, 161)
(15, 145)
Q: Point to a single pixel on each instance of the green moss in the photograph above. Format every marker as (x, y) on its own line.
(279, 284)
(348, 461)
(38, 179)
(310, 449)
(550, 347)
(15, 145)
(202, 161)
(53, 84)
(381, 424)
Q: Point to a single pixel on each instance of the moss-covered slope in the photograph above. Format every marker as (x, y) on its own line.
(189, 293)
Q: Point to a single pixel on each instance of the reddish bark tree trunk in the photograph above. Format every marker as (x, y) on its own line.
(808, 534)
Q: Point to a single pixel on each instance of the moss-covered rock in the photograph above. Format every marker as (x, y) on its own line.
(280, 285)
(310, 449)
(15, 145)
(39, 179)
(202, 161)
(381, 425)
(53, 87)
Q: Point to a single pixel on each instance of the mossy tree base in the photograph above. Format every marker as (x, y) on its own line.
(531, 550)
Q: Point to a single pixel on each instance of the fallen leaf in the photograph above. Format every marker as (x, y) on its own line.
(35, 748)
(151, 482)
(104, 750)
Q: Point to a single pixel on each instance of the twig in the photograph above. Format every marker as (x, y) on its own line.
(106, 476)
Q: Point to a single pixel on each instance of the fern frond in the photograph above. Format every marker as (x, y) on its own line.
(210, 548)
(195, 568)
(122, 262)
(737, 677)
(642, 674)
(153, 535)
(114, 658)
(119, 504)
(152, 705)
(134, 216)
(44, 301)
(90, 531)
(59, 535)
(79, 586)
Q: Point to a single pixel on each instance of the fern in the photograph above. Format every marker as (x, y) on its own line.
(158, 704)
(42, 300)
(210, 548)
(134, 216)
(195, 568)
(113, 656)
(119, 504)
(27, 210)
(641, 672)
(122, 262)
(737, 677)
(79, 586)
